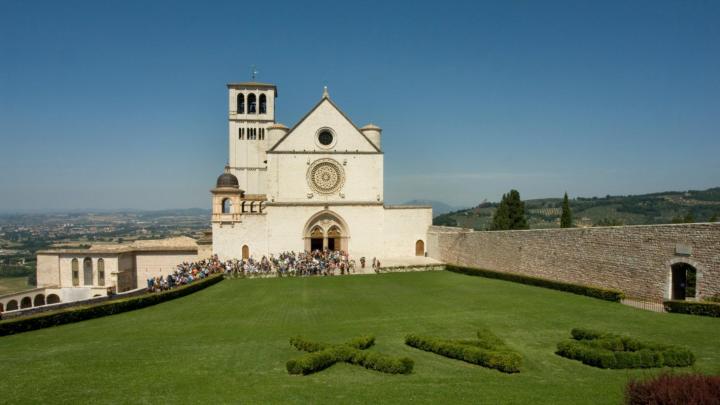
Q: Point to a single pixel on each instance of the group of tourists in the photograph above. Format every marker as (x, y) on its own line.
(287, 264)
(315, 263)
(185, 273)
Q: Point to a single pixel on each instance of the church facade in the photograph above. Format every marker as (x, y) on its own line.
(317, 185)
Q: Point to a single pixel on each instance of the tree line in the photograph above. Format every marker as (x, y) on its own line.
(510, 213)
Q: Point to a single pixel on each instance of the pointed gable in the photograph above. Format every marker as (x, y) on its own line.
(325, 115)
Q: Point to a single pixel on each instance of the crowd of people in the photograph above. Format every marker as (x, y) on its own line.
(286, 264)
(315, 263)
(186, 273)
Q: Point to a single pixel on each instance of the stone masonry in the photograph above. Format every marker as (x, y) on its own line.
(634, 259)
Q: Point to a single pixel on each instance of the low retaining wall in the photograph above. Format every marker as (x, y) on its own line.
(633, 259)
(54, 307)
(116, 306)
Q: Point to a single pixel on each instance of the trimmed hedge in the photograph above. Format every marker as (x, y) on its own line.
(361, 343)
(488, 351)
(77, 314)
(607, 350)
(693, 308)
(323, 355)
(595, 292)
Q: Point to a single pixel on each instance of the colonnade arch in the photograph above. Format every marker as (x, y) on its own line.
(29, 301)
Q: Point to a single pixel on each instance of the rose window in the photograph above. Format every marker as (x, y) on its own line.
(326, 176)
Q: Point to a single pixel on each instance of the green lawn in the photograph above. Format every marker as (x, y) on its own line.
(229, 344)
(13, 284)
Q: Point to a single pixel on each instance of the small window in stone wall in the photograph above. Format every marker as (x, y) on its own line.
(75, 266)
(101, 272)
(87, 271)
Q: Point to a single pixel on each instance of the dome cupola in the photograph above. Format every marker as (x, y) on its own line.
(227, 180)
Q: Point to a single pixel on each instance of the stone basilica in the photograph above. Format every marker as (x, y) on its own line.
(316, 185)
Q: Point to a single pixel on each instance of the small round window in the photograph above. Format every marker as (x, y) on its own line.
(325, 138)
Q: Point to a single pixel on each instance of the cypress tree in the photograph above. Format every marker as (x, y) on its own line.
(566, 219)
(501, 218)
(510, 213)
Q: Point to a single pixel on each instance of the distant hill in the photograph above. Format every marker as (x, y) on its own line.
(439, 207)
(655, 208)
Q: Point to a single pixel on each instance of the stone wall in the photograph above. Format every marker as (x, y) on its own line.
(634, 259)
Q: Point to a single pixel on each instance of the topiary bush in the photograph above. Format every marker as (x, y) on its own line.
(693, 308)
(681, 389)
(595, 292)
(77, 314)
(487, 351)
(607, 350)
(322, 356)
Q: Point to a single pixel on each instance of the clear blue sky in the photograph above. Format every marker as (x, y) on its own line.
(123, 104)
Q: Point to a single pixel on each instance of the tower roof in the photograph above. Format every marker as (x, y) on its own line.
(227, 180)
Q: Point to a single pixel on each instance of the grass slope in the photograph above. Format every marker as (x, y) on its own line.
(229, 343)
(13, 284)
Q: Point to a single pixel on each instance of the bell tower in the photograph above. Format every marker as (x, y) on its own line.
(251, 111)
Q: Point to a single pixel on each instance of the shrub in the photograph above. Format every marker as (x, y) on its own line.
(693, 308)
(607, 350)
(312, 362)
(322, 356)
(681, 389)
(488, 351)
(595, 292)
(362, 343)
(77, 314)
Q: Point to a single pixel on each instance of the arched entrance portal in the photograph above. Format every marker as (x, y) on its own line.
(326, 230)
(334, 238)
(419, 248)
(683, 281)
(317, 237)
(245, 252)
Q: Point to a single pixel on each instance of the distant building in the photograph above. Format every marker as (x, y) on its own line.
(65, 275)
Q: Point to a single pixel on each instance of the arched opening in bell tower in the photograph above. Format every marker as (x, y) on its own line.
(227, 206)
(241, 103)
(252, 103)
(263, 104)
